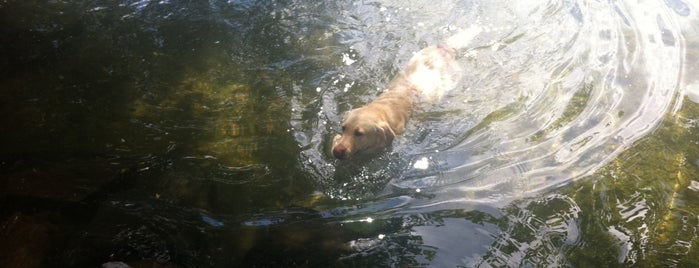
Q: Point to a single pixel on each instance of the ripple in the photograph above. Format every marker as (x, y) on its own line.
(552, 92)
(535, 236)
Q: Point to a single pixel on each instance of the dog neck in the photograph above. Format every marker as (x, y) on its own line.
(396, 104)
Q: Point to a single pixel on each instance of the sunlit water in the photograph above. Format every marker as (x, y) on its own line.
(552, 92)
(198, 134)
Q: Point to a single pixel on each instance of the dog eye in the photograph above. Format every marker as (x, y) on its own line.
(343, 128)
(358, 133)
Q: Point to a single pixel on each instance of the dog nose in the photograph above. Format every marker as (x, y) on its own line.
(340, 152)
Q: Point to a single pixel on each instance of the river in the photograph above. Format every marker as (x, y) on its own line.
(197, 134)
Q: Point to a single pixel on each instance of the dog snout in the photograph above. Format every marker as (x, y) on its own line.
(340, 151)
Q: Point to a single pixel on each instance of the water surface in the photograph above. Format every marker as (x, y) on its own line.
(198, 134)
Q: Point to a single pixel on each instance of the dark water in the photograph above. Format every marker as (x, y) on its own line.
(196, 134)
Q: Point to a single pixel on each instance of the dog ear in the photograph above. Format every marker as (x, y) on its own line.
(387, 132)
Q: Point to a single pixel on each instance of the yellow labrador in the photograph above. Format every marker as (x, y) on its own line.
(430, 72)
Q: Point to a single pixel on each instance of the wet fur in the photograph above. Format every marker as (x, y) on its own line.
(373, 127)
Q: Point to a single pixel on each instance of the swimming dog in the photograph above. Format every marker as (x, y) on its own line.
(429, 74)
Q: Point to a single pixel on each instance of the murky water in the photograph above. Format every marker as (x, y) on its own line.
(198, 134)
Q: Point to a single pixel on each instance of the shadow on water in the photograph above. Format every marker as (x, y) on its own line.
(196, 134)
(117, 114)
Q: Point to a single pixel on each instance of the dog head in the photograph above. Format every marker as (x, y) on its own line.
(363, 132)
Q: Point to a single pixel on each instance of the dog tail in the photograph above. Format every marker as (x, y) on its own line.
(463, 38)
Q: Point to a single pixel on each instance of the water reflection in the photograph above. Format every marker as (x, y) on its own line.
(552, 92)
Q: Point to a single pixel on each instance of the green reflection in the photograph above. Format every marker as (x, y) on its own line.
(575, 106)
(644, 193)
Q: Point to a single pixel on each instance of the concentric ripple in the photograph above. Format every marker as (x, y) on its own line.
(551, 93)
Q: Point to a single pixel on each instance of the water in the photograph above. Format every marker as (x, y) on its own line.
(198, 134)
